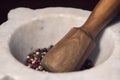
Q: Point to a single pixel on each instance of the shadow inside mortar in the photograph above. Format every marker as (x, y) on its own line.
(96, 52)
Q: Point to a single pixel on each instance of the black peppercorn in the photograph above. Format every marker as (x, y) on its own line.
(34, 60)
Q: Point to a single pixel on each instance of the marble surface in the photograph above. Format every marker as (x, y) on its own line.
(28, 29)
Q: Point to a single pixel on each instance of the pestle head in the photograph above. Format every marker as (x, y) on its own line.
(70, 52)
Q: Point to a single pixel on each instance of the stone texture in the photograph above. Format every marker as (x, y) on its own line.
(28, 29)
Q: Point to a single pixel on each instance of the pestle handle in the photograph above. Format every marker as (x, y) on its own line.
(72, 50)
(101, 15)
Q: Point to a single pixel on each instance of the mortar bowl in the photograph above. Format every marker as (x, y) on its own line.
(28, 29)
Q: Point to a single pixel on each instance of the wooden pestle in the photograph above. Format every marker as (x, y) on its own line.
(72, 50)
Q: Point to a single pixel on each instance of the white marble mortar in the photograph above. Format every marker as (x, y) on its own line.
(28, 29)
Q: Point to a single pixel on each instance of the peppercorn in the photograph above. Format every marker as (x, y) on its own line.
(34, 59)
(87, 64)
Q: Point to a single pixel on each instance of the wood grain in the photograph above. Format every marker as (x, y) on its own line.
(69, 51)
(101, 16)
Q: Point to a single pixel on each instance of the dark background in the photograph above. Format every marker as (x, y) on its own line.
(7, 5)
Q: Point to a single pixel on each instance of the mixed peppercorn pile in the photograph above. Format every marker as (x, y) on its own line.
(34, 60)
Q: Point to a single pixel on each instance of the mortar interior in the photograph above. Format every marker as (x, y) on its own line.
(43, 32)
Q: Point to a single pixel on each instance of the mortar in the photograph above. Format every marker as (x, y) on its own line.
(28, 29)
